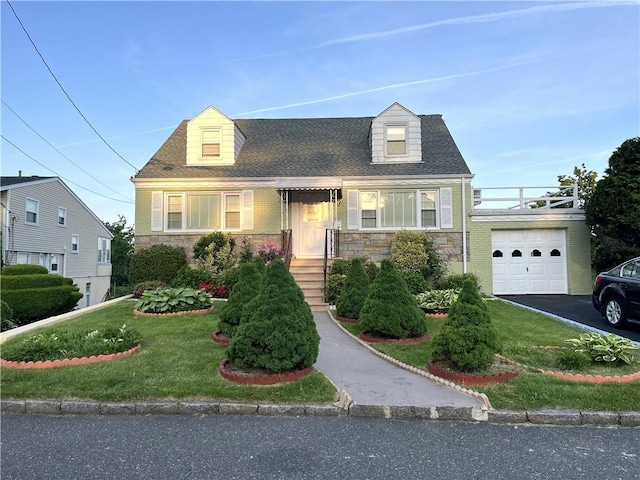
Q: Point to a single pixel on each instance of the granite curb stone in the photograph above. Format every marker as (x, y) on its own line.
(442, 413)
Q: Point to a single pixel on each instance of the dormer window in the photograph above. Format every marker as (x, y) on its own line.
(396, 139)
(211, 143)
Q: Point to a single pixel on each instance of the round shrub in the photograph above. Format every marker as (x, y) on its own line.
(280, 333)
(140, 288)
(32, 304)
(415, 282)
(158, 262)
(415, 251)
(467, 339)
(24, 270)
(390, 310)
(191, 277)
(455, 282)
(247, 288)
(212, 242)
(355, 291)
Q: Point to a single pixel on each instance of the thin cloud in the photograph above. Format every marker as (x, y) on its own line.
(397, 85)
(466, 20)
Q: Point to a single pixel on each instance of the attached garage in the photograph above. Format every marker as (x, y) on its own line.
(529, 261)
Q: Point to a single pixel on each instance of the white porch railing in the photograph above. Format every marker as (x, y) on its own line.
(525, 198)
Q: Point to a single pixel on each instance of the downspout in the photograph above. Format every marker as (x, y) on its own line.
(464, 228)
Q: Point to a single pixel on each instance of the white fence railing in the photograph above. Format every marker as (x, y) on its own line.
(525, 198)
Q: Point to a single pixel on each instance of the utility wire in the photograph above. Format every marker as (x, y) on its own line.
(65, 92)
(58, 175)
(56, 149)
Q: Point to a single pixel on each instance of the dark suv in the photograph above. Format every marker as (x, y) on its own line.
(616, 293)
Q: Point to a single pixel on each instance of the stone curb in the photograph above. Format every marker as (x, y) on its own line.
(443, 413)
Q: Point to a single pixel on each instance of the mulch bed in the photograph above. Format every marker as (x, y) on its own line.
(257, 376)
(173, 314)
(510, 370)
(220, 337)
(347, 320)
(373, 338)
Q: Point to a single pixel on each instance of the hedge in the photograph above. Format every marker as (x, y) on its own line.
(158, 262)
(23, 270)
(33, 304)
(23, 282)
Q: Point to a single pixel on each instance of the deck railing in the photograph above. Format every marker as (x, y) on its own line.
(526, 198)
(331, 250)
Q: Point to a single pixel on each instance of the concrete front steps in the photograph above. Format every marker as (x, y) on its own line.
(309, 275)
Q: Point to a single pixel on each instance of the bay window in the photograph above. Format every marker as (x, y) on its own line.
(396, 209)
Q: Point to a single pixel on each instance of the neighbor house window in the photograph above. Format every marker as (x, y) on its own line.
(396, 139)
(104, 250)
(62, 216)
(75, 243)
(42, 260)
(23, 258)
(395, 209)
(32, 211)
(211, 143)
(203, 211)
(54, 265)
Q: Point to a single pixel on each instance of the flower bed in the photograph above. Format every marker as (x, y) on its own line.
(64, 362)
(257, 377)
(174, 314)
(511, 370)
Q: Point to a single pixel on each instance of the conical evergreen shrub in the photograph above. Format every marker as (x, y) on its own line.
(247, 288)
(280, 334)
(390, 310)
(468, 340)
(355, 291)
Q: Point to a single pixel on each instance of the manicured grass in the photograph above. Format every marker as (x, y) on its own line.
(178, 361)
(521, 333)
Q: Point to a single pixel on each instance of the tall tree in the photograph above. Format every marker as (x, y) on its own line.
(613, 211)
(121, 249)
(583, 178)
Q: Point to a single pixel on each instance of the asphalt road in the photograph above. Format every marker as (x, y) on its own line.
(237, 447)
(577, 308)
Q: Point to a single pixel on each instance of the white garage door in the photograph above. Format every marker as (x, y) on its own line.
(529, 261)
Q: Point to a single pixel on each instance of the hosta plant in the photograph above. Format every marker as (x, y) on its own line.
(437, 300)
(604, 348)
(63, 344)
(171, 300)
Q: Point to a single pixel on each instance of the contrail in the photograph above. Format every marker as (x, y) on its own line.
(470, 19)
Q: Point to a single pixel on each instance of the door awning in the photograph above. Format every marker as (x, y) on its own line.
(324, 183)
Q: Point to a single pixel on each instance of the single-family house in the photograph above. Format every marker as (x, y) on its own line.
(345, 186)
(45, 223)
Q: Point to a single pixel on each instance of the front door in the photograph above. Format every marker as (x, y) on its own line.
(310, 221)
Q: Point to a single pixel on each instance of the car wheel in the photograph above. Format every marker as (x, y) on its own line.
(614, 312)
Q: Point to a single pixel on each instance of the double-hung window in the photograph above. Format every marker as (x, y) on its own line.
(396, 139)
(211, 143)
(54, 263)
(104, 250)
(174, 212)
(32, 212)
(75, 243)
(396, 209)
(232, 211)
(62, 216)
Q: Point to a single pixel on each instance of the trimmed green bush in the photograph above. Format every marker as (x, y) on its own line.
(280, 334)
(455, 282)
(158, 262)
(215, 252)
(39, 280)
(140, 288)
(33, 304)
(390, 310)
(415, 282)
(247, 288)
(6, 317)
(415, 251)
(335, 284)
(467, 339)
(340, 266)
(355, 291)
(24, 270)
(191, 277)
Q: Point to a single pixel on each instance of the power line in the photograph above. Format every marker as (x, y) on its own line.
(62, 154)
(58, 175)
(65, 92)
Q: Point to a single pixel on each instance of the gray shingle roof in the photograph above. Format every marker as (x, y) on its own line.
(309, 147)
(8, 181)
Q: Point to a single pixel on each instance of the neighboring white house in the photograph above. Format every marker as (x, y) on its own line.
(45, 223)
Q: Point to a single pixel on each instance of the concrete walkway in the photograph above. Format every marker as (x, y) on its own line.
(371, 380)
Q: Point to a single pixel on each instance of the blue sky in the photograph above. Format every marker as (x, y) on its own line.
(528, 89)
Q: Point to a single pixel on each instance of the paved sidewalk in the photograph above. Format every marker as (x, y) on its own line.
(371, 380)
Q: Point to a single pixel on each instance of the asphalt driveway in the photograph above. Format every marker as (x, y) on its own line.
(577, 308)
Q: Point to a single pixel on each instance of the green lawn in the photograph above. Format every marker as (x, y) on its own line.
(178, 361)
(521, 333)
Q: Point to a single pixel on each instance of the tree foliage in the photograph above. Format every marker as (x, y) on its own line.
(415, 251)
(121, 249)
(247, 288)
(583, 178)
(390, 310)
(354, 292)
(613, 210)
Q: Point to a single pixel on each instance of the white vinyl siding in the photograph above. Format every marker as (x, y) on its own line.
(23, 258)
(207, 211)
(32, 212)
(396, 136)
(394, 209)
